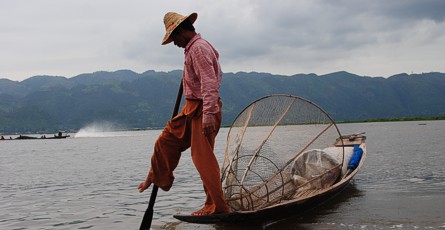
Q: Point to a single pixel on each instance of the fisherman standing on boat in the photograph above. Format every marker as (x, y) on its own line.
(197, 125)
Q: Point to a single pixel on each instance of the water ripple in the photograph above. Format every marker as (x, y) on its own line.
(90, 183)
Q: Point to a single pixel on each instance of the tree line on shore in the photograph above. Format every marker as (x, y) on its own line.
(140, 101)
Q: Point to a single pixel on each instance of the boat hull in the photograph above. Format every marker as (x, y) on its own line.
(23, 137)
(282, 210)
(278, 212)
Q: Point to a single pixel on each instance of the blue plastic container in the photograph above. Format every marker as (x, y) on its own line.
(355, 159)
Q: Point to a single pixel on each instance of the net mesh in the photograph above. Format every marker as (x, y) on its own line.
(270, 144)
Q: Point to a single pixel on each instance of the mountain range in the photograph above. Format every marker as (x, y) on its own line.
(133, 100)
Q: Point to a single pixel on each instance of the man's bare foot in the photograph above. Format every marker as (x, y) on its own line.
(144, 185)
(201, 213)
(204, 212)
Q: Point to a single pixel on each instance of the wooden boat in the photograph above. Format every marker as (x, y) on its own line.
(43, 137)
(293, 207)
(24, 137)
(284, 156)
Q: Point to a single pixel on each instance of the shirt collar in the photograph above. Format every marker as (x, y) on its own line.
(187, 47)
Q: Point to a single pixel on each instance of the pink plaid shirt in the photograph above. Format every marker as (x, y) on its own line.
(202, 75)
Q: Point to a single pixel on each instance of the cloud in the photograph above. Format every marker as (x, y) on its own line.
(374, 38)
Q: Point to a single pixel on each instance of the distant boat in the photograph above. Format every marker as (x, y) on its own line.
(59, 135)
(22, 137)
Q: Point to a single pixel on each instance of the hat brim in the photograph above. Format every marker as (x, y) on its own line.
(167, 39)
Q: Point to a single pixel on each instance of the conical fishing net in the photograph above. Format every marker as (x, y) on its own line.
(277, 150)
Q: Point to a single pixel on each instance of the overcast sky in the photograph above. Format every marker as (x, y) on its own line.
(365, 37)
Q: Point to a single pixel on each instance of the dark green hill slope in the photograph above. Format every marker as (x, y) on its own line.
(132, 100)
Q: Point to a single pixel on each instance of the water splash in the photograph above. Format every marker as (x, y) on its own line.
(98, 129)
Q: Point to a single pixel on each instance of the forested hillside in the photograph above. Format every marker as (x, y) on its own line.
(131, 100)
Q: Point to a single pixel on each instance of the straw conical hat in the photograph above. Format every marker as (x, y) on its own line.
(172, 20)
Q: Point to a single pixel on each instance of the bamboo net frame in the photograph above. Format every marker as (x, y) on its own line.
(263, 142)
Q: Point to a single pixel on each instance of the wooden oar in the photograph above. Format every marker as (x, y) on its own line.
(148, 216)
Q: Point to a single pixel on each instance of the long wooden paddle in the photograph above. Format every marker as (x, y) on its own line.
(148, 216)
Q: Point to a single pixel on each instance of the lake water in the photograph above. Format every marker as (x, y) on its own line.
(90, 182)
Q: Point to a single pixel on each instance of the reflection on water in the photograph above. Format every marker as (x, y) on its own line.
(90, 183)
